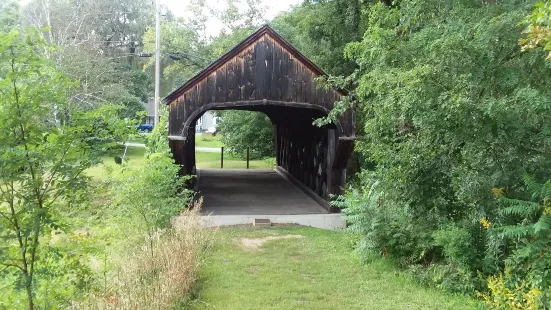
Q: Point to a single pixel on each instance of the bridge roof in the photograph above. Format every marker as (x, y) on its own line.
(252, 39)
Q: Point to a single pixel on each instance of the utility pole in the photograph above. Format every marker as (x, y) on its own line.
(157, 59)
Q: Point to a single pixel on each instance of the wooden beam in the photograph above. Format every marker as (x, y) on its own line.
(344, 149)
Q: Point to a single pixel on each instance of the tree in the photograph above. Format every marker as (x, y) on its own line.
(186, 50)
(182, 53)
(316, 28)
(98, 43)
(9, 15)
(246, 129)
(43, 159)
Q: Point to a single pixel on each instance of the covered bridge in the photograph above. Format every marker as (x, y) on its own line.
(265, 73)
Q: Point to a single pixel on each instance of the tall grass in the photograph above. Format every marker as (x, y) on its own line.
(161, 273)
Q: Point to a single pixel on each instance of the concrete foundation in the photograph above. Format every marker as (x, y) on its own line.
(332, 221)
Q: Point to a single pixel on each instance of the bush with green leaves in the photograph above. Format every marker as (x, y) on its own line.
(449, 108)
(151, 193)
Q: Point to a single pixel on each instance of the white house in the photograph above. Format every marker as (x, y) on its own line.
(206, 121)
(150, 109)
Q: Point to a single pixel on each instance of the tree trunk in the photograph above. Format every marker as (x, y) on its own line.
(29, 289)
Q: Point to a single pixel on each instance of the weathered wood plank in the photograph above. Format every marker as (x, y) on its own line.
(260, 70)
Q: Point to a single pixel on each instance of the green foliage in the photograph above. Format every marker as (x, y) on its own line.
(456, 243)
(98, 43)
(316, 28)
(538, 28)
(45, 147)
(183, 53)
(245, 129)
(387, 229)
(450, 111)
(520, 297)
(157, 140)
(153, 192)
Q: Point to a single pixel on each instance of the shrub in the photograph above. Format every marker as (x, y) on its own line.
(154, 191)
(457, 245)
(46, 144)
(386, 228)
(156, 266)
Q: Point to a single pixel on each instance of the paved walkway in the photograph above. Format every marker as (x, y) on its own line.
(252, 192)
(207, 149)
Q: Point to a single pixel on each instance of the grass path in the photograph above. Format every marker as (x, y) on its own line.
(318, 271)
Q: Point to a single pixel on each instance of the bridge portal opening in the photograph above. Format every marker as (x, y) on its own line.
(238, 139)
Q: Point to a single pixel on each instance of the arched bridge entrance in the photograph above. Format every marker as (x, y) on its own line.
(265, 73)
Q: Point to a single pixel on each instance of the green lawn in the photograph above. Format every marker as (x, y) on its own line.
(318, 271)
(139, 138)
(134, 156)
(207, 140)
(212, 160)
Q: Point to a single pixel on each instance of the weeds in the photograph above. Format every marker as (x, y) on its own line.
(162, 271)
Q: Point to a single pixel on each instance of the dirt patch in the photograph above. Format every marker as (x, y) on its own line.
(257, 243)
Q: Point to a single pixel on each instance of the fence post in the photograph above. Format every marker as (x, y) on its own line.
(247, 158)
(221, 157)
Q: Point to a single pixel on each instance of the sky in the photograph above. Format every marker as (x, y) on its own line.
(179, 8)
(273, 7)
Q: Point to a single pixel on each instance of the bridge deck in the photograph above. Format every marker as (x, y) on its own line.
(258, 192)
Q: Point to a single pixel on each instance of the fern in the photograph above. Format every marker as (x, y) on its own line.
(519, 207)
(531, 218)
(517, 231)
(543, 225)
(529, 233)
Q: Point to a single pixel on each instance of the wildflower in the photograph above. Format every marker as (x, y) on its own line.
(498, 192)
(485, 223)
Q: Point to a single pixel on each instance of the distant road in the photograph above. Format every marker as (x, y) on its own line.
(197, 148)
(208, 149)
(134, 144)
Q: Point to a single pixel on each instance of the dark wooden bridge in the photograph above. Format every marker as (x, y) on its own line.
(265, 73)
